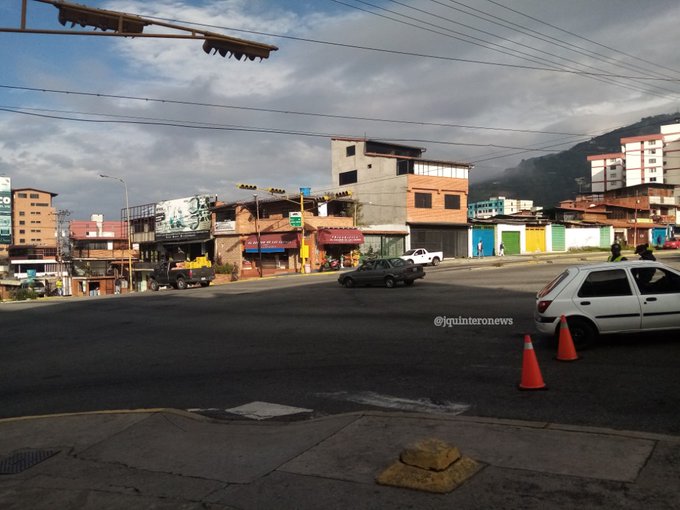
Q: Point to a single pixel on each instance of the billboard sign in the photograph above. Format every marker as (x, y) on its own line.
(5, 210)
(183, 219)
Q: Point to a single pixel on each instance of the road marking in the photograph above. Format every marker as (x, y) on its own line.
(425, 405)
(265, 410)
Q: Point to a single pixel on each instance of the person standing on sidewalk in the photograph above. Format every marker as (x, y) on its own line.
(501, 249)
(480, 249)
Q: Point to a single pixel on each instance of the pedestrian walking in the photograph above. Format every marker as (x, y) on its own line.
(60, 287)
(501, 249)
(480, 249)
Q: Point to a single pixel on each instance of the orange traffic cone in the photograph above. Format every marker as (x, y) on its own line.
(531, 373)
(565, 348)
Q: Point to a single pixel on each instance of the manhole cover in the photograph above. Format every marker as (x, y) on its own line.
(21, 461)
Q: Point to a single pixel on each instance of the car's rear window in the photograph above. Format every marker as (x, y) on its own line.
(554, 283)
(397, 262)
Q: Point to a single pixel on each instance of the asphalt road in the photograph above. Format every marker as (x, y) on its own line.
(305, 341)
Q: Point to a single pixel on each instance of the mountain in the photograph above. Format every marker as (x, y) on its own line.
(549, 179)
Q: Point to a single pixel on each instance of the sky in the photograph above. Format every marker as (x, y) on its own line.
(486, 82)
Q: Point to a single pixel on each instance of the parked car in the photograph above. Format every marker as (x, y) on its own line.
(387, 272)
(422, 256)
(612, 297)
(671, 244)
(36, 286)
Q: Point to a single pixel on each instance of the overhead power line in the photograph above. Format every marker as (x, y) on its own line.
(287, 112)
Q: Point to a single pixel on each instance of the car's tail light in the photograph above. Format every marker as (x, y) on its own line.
(543, 306)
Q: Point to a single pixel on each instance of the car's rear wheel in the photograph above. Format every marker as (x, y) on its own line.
(348, 283)
(435, 261)
(583, 333)
(389, 282)
(181, 284)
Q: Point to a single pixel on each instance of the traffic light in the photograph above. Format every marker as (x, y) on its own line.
(326, 198)
(343, 194)
(246, 186)
(237, 47)
(100, 18)
(277, 191)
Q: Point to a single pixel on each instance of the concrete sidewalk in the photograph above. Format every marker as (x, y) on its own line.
(168, 459)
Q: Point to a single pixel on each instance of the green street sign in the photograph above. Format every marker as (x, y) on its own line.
(295, 219)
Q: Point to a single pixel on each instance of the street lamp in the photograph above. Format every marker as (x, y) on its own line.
(129, 239)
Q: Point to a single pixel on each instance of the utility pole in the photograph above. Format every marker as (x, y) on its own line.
(257, 233)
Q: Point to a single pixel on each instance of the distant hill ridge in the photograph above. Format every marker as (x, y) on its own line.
(549, 179)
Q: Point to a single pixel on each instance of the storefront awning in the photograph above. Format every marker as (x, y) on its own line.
(273, 243)
(339, 236)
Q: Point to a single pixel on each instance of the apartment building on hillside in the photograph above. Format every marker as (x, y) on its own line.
(403, 197)
(647, 159)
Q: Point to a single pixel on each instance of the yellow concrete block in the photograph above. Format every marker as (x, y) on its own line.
(430, 454)
(441, 482)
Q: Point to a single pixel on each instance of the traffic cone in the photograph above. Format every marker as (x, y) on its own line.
(531, 373)
(565, 348)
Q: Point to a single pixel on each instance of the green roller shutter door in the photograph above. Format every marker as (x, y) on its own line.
(511, 243)
(558, 235)
(604, 237)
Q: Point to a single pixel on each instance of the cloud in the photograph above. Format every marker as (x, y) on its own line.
(328, 82)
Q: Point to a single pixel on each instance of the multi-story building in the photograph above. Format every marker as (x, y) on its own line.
(644, 156)
(34, 233)
(647, 159)
(496, 206)
(259, 237)
(400, 192)
(607, 172)
(99, 256)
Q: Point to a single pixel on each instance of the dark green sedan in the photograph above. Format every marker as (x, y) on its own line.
(387, 272)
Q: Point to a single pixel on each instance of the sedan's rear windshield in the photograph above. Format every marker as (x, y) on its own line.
(554, 283)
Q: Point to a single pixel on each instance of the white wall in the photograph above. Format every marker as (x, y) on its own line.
(582, 237)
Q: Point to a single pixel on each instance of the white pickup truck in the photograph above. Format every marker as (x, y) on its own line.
(422, 256)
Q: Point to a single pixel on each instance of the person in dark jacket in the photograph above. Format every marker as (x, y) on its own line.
(644, 252)
(616, 254)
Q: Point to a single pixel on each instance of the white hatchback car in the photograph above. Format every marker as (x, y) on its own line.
(612, 297)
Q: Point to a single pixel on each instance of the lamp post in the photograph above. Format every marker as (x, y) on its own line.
(129, 238)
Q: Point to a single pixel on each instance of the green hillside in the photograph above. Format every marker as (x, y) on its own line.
(548, 179)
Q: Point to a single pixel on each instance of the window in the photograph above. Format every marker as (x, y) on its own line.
(652, 179)
(23, 241)
(22, 213)
(351, 150)
(404, 166)
(652, 160)
(34, 195)
(423, 200)
(612, 167)
(22, 231)
(656, 281)
(651, 151)
(451, 201)
(22, 195)
(347, 177)
(652, 142)
(612, 282)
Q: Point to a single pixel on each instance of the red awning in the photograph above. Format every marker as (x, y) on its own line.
(277, 240)
(339, 236)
